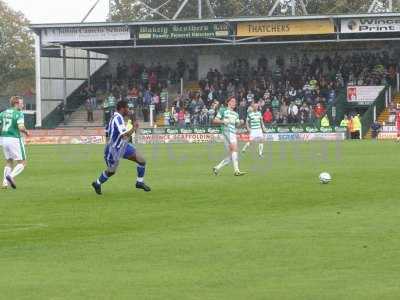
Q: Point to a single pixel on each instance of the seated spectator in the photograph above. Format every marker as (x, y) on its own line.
(267, 116)
(319, 111)
(304, 113)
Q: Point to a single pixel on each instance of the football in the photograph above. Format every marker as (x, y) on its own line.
(325, 178)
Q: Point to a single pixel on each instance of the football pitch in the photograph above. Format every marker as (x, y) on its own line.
(276, 233)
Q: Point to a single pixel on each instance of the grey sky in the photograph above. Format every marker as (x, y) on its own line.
(56, 11)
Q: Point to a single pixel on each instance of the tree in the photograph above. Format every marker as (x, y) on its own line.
(16, 52)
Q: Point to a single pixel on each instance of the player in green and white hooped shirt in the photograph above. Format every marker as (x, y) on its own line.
(255, 127)
(12, 125)
(229, 119)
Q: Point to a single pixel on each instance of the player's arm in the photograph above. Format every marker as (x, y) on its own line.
(218, 120)
(23, 129)
(240, 123)
(21, 125)
(128, 133)
(248, 124)
(122, 130)
(263, 125)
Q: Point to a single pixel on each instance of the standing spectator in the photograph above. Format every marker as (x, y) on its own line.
(153, 80)
(90, 106)
(304, 113)
(275, 104)
(147, 99)
(242, 110)
(133, 96)
(292, 94)
(187, 119)
(156, 102)
(375, 128)
(284, 113)
(164, 98)
(250, 97)
(356, 127)
(204, 116)
(145, 77)
(181, 118)
(331, 95)
(167, 118)
(212, 112)
(109, 107)
(293, 112)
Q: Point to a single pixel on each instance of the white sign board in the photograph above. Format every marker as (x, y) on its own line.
(365, 25)
(86, 34)
(363, 93)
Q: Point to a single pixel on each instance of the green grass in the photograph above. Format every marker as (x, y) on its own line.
(274, 234)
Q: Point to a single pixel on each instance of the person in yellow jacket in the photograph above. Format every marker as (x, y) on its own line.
(356, 130)
(344, 122)
(325, 121)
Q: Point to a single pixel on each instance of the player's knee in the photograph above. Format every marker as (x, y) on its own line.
(142, 162)
(22, 162)
(110, 174)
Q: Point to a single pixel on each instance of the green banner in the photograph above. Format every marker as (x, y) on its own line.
(217, 130)
(182, 31)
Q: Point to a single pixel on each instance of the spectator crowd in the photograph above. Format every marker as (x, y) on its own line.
(298, 91)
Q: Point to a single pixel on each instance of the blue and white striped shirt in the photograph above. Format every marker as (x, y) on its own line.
(114, 132)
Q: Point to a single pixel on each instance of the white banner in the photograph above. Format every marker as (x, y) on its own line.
(215, 138)
(84, 34)
(365, 25)
(387, 136)
(363, 93)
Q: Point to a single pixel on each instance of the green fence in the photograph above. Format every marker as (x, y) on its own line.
(368, 117)
(340, 106)
(57, 116)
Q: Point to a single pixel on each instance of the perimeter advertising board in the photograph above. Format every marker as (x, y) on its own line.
(370, 25)
(363, 95)
(281, 28)
(182, 31)
(85, 34)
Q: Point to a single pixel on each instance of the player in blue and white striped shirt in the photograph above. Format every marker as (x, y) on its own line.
(118, 147)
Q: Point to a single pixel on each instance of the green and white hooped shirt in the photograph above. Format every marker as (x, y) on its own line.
(254, 119)
(232, 119)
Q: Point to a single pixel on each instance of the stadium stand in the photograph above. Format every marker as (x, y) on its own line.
(296, 91)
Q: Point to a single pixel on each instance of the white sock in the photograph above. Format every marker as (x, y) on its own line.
(224, 163)
(235, 161)
(260, 149)
(140, 179)
(7, 171)
(246, 146)
(17, 170)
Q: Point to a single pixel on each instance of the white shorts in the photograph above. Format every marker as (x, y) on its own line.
(13, 148)
(229, 139)
(256, 134)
